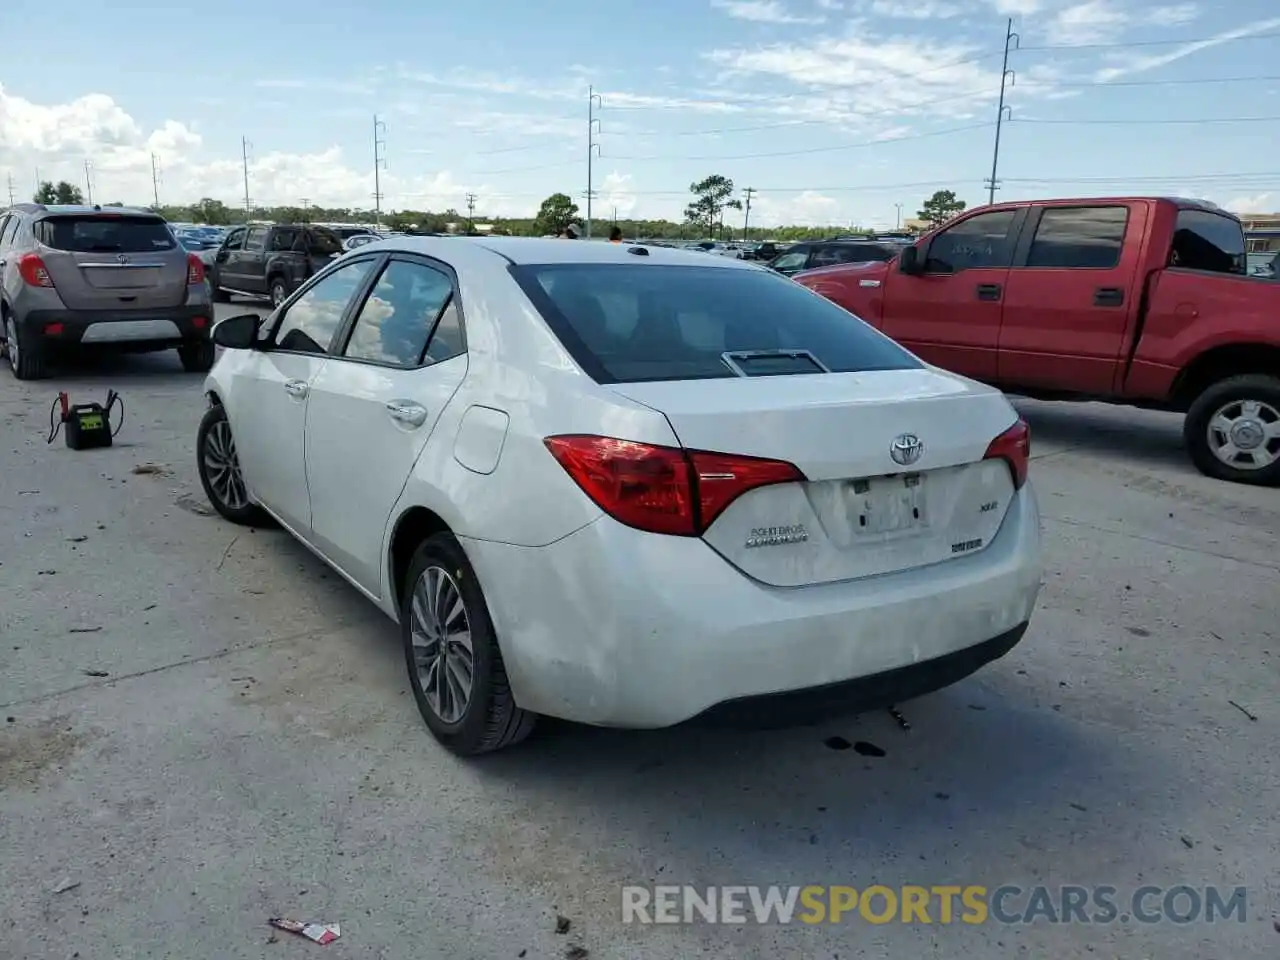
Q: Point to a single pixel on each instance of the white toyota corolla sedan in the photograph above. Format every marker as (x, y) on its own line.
(626, 486)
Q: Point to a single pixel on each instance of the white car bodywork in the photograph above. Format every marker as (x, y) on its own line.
(600, 622)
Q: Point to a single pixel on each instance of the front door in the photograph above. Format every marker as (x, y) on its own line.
(226, 262)
(373, 408)
(269, 416)
(1072, 297)
(950, 314)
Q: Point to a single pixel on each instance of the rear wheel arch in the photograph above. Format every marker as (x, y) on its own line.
(1220, 363)
(413, 527)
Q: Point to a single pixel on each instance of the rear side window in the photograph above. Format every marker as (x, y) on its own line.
(8, 231)
(398, 317)
(627, 323)
(1208, 241)
(322, 243)
(851, 253)
(1085, 237)
(105, 234)
(283, 239)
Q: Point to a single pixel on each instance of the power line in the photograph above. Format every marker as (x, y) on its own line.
(1188, 82)
(813, 150)
(244, 150)
(1159, 122)
(593, 147)
(379, 164)
(1120, 45)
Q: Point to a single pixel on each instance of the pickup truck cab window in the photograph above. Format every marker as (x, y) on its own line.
(1079, 237)
(1209, 242)
(979, 241)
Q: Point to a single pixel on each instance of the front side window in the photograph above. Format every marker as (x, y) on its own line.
(632, 323)
(399, 315)
(982, 240)
(1208, 241)
(309, 323)
(235, 239)
(1079, 237)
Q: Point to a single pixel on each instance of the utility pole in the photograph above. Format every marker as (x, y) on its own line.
(306, 209)
(593, 147)
(1011, 40)
(11, 189)
(746, 217)
(155, 182)
(248, 205)
(471, 213)
(897, 224)
(88, 183)
(379, 164)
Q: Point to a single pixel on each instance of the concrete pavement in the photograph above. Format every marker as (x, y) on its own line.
(253, 749)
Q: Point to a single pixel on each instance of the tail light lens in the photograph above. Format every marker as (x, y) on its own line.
(1014, 447)
(33, 272)
(195, 270)
(663, 489)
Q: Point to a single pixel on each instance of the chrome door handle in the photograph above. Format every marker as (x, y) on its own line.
(296, 388)
(407, 412)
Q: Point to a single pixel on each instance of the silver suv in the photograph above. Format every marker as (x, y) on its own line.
(112, 278)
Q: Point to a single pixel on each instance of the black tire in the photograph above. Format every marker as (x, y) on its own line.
(30, 363)
(1218, 396)
(246, 514)
(490, 720)
(277, 290)
(197, 357)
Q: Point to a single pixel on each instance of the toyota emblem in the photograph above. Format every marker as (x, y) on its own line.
(122, 260)
(906, 449)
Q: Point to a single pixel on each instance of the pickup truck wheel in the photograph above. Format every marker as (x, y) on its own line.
(279, 291)
(1232, 430)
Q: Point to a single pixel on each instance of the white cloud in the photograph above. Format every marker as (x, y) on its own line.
(1171, 16)
(1017, 8)
(921, 10)
(1139, 63)
(1095, 21)
(616, 193)
(805, 209)
(1258, 203)
(830, 5)
(761, 11)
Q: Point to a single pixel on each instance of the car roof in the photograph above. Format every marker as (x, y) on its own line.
(540, 250)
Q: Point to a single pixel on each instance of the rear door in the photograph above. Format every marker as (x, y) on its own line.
(252, 273)
(373, 407)
(1072, 297)
(950, 315)
(113, 261)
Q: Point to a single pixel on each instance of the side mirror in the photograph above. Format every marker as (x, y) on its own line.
(237, 333)
(909, 261)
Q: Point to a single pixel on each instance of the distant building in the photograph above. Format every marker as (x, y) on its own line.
(1261, 231)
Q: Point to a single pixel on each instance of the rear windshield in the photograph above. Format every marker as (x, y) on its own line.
(627, 323)
(105, 234)
(322, 242)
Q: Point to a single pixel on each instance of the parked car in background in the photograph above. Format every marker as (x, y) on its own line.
(358, 240)
(698, 539)
(814, 254)
(107, 279)
(1265, 265)
(1143, 301)
(271, 260)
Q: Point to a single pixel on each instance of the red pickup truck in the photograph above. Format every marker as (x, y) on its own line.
(1137, 300)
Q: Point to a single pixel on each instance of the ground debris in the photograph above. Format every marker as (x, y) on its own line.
(321, 933)
(576, 952)
(1188, 842)
(95, 673)
(65, 885)
(562, 924)
(85, 630)
(150, 469)
(897, 715)
(1246, 712)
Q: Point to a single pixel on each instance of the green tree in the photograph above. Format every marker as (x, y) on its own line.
(556, 213)
(45, 193)
(711, 196)
(940, 208)
(212, 212)
(67, 193)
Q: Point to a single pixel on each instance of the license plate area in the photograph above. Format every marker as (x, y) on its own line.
(888, 506)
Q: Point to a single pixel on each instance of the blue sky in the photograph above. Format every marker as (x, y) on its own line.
(835, 110)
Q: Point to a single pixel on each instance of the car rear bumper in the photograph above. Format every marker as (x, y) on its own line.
(120, 327)
(615, 627)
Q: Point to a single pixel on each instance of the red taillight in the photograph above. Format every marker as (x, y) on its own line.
(195, 270)
(33, 272)
(663, 489)
(199, 322)
(53, 329)
(1014, 446)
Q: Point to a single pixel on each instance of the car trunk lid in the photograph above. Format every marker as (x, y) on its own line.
(860, 512)
(113, 261)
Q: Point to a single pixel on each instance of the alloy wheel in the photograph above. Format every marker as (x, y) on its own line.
(1245, 434)
(443, 654)
(222, 467)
